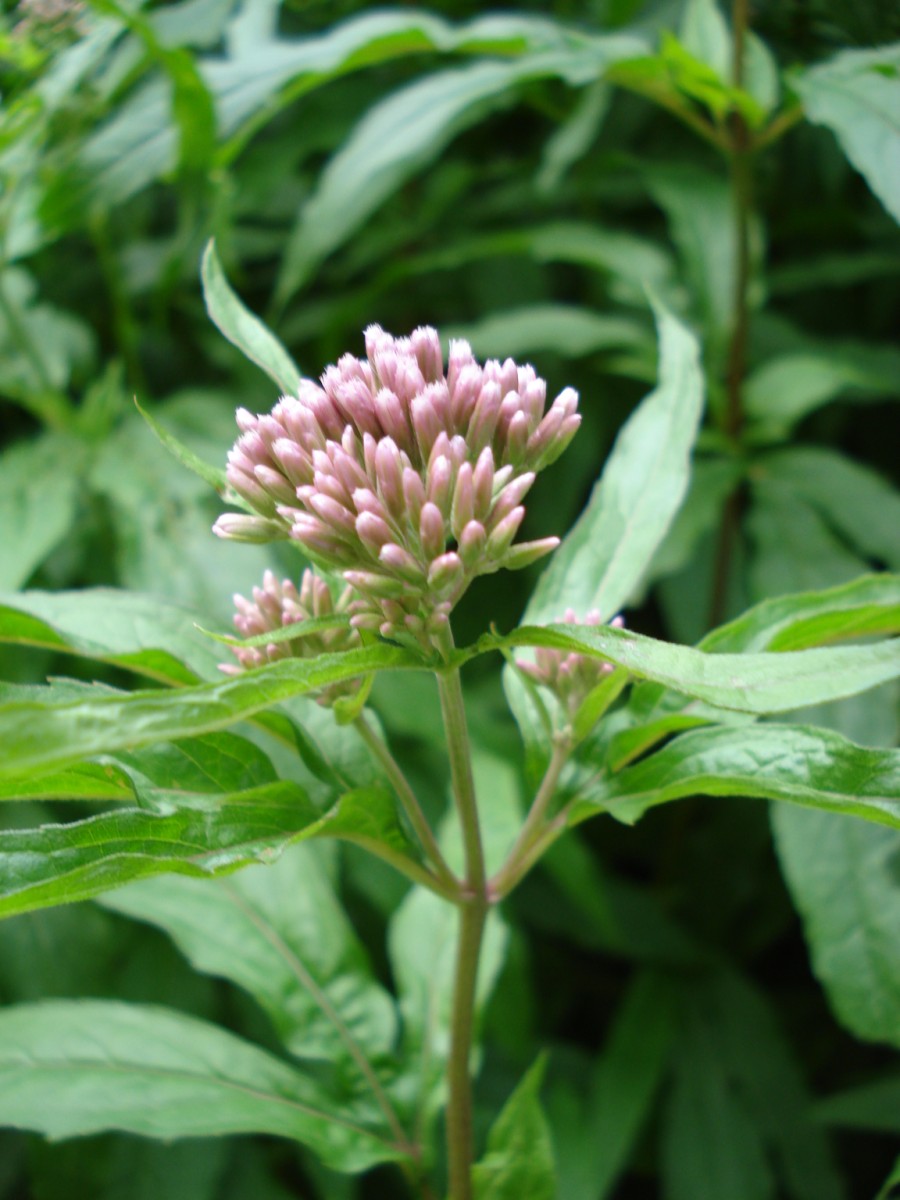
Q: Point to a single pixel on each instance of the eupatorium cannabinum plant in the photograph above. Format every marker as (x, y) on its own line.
(401, 480)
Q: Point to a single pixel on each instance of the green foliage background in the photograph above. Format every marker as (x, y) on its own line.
(717, 995)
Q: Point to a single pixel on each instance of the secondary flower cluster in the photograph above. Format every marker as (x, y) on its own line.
(570, 676)
(276, 605)
(406, 479)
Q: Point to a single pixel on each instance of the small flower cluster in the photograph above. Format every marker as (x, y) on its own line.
(276, 605)
(408, 480)
(570, 676)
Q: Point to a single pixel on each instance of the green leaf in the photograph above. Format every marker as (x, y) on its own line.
(519, 1158)
(550, 328)
(698, 206)
(874, 1106)
(602, 560)
(843, 881)
(788, 387)
(214, 476)
(595, 1142)
(867, 606)
(39, 487)
(802, 765)
(856, 502)
(857, 96)
(87, 781)
(712, 1149)
(60, 864)
(48, 732)
(69, 1068)
(890, 1184)
(278, 931)
(242, 328)
(753, 683)
(139, 633)
(404, 133)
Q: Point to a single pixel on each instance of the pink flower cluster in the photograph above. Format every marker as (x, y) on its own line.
(407, 480)
(276, 605)
(570, 676)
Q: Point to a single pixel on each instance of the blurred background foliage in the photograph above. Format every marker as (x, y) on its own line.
(481, 173)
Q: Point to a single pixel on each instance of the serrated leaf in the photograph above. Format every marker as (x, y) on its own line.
(242, 328)
(69, 1068)
(125, 629)
(841, 877)
(187, 834)
(866, 606)
(48, 732)
(857, 96)
(752, 683)
(799, 764)
(519, 1158)
(278, 931)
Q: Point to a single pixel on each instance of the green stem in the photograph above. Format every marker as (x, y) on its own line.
(408, 799)
(741, 174)
(520, 859)
(472, 918)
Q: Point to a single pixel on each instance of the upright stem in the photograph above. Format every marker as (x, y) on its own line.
(472, 917)
(741, 175)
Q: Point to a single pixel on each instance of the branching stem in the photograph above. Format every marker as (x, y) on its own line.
(407, 798)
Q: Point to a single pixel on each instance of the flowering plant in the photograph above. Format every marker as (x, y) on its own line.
(402, 483)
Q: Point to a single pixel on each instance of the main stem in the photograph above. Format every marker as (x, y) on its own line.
(741, 174)
(472, 917)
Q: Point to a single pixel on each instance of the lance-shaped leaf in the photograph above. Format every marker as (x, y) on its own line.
(404, 133)
(46, 732)
(800, 764)
(140, 633)
(190, 834)
(857, 95)
(70, 1068)
(242, 328)
(519, 1158)
(279, 932)
(753, 683)
(866, 606)
(602, 560)
(843, 879)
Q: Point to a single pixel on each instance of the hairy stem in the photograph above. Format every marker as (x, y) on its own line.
(407, 798)
(472, 918)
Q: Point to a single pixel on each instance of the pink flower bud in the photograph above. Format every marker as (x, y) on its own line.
(373, 531)
(472, 542)
(333, 513)
(439, 484)
(445, 572)
(237, 527)
(503, 533)
(426, 346)
(293, 460)
(510, 497)
(413, 495)
(462, 509)
(526, 553)
(400, 560)
(275, 484)
(389, 473)
(431, 530)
